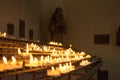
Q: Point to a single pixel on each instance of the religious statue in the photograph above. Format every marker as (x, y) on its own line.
(57, 25)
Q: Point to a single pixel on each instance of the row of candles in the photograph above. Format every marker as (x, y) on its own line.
(66, 56)
(67, 52)
(68, 66)
(11, 64)
(36, 62)
(54, 52)
(65, 68)
(33, 47)
(36, 47)
(55, 43)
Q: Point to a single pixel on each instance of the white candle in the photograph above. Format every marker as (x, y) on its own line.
(60, 66)
(13, 60)
(70, 64)
(31, 58)
(19, 52)
(6, 65)
(53, 72)
(27, 49)
(4, 34)
(88, 56)
(41, 58)
(84, 62)
(33, 62)
(71, 67)
(5, 60)
(82, 53)
(53, 69)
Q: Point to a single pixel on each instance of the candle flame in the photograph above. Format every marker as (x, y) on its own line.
(31, 58)
(70, 64)
(53, 69)
(13, 59)
(4, 34)
(82, 53)
(42, 58)
(19, 52)
(27, 49)
(66, 64)
(60, 65)
(35, 59)
(5, 60)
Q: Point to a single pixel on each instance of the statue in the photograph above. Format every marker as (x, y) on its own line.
(57, 24)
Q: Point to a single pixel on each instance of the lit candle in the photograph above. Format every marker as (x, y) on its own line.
(70, 45)
(53, 72)
(84, 62)
(5, 60)
(4, 34)
(15, 63)
(60, 65)
(88, 56)
(70, 64)
(33, 62)
(82, 53)
(44, 48)
(27, 49)
(13, 60)
(71, 67)
(19, 52)
(41, 58)
(81, 57)
(53, 68)
(31, 58)
(63, 69)
(6, 65)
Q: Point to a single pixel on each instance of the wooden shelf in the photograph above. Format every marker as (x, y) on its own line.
(10, 46)
(95, 65)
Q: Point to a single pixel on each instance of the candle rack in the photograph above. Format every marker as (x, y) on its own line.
(10, 46)
(89, 70)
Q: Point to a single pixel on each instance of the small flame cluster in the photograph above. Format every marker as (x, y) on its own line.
(3, 34)
(10, 64)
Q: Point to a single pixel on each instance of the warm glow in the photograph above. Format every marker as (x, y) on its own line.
(70, 45)
(45, 48)
(81, 57)
(88, 56)
(27, 49)
(5, 60)
(35, 60)
(13, 59)
(53, 69)
(82, 53)
(70, 64)
(4, 34)
(64, 67)
(66, 64)
(31, 58)
(84, 62)
(55, 43)
(19, 52)
(41, 58)
(48, 57)
(60, 65)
